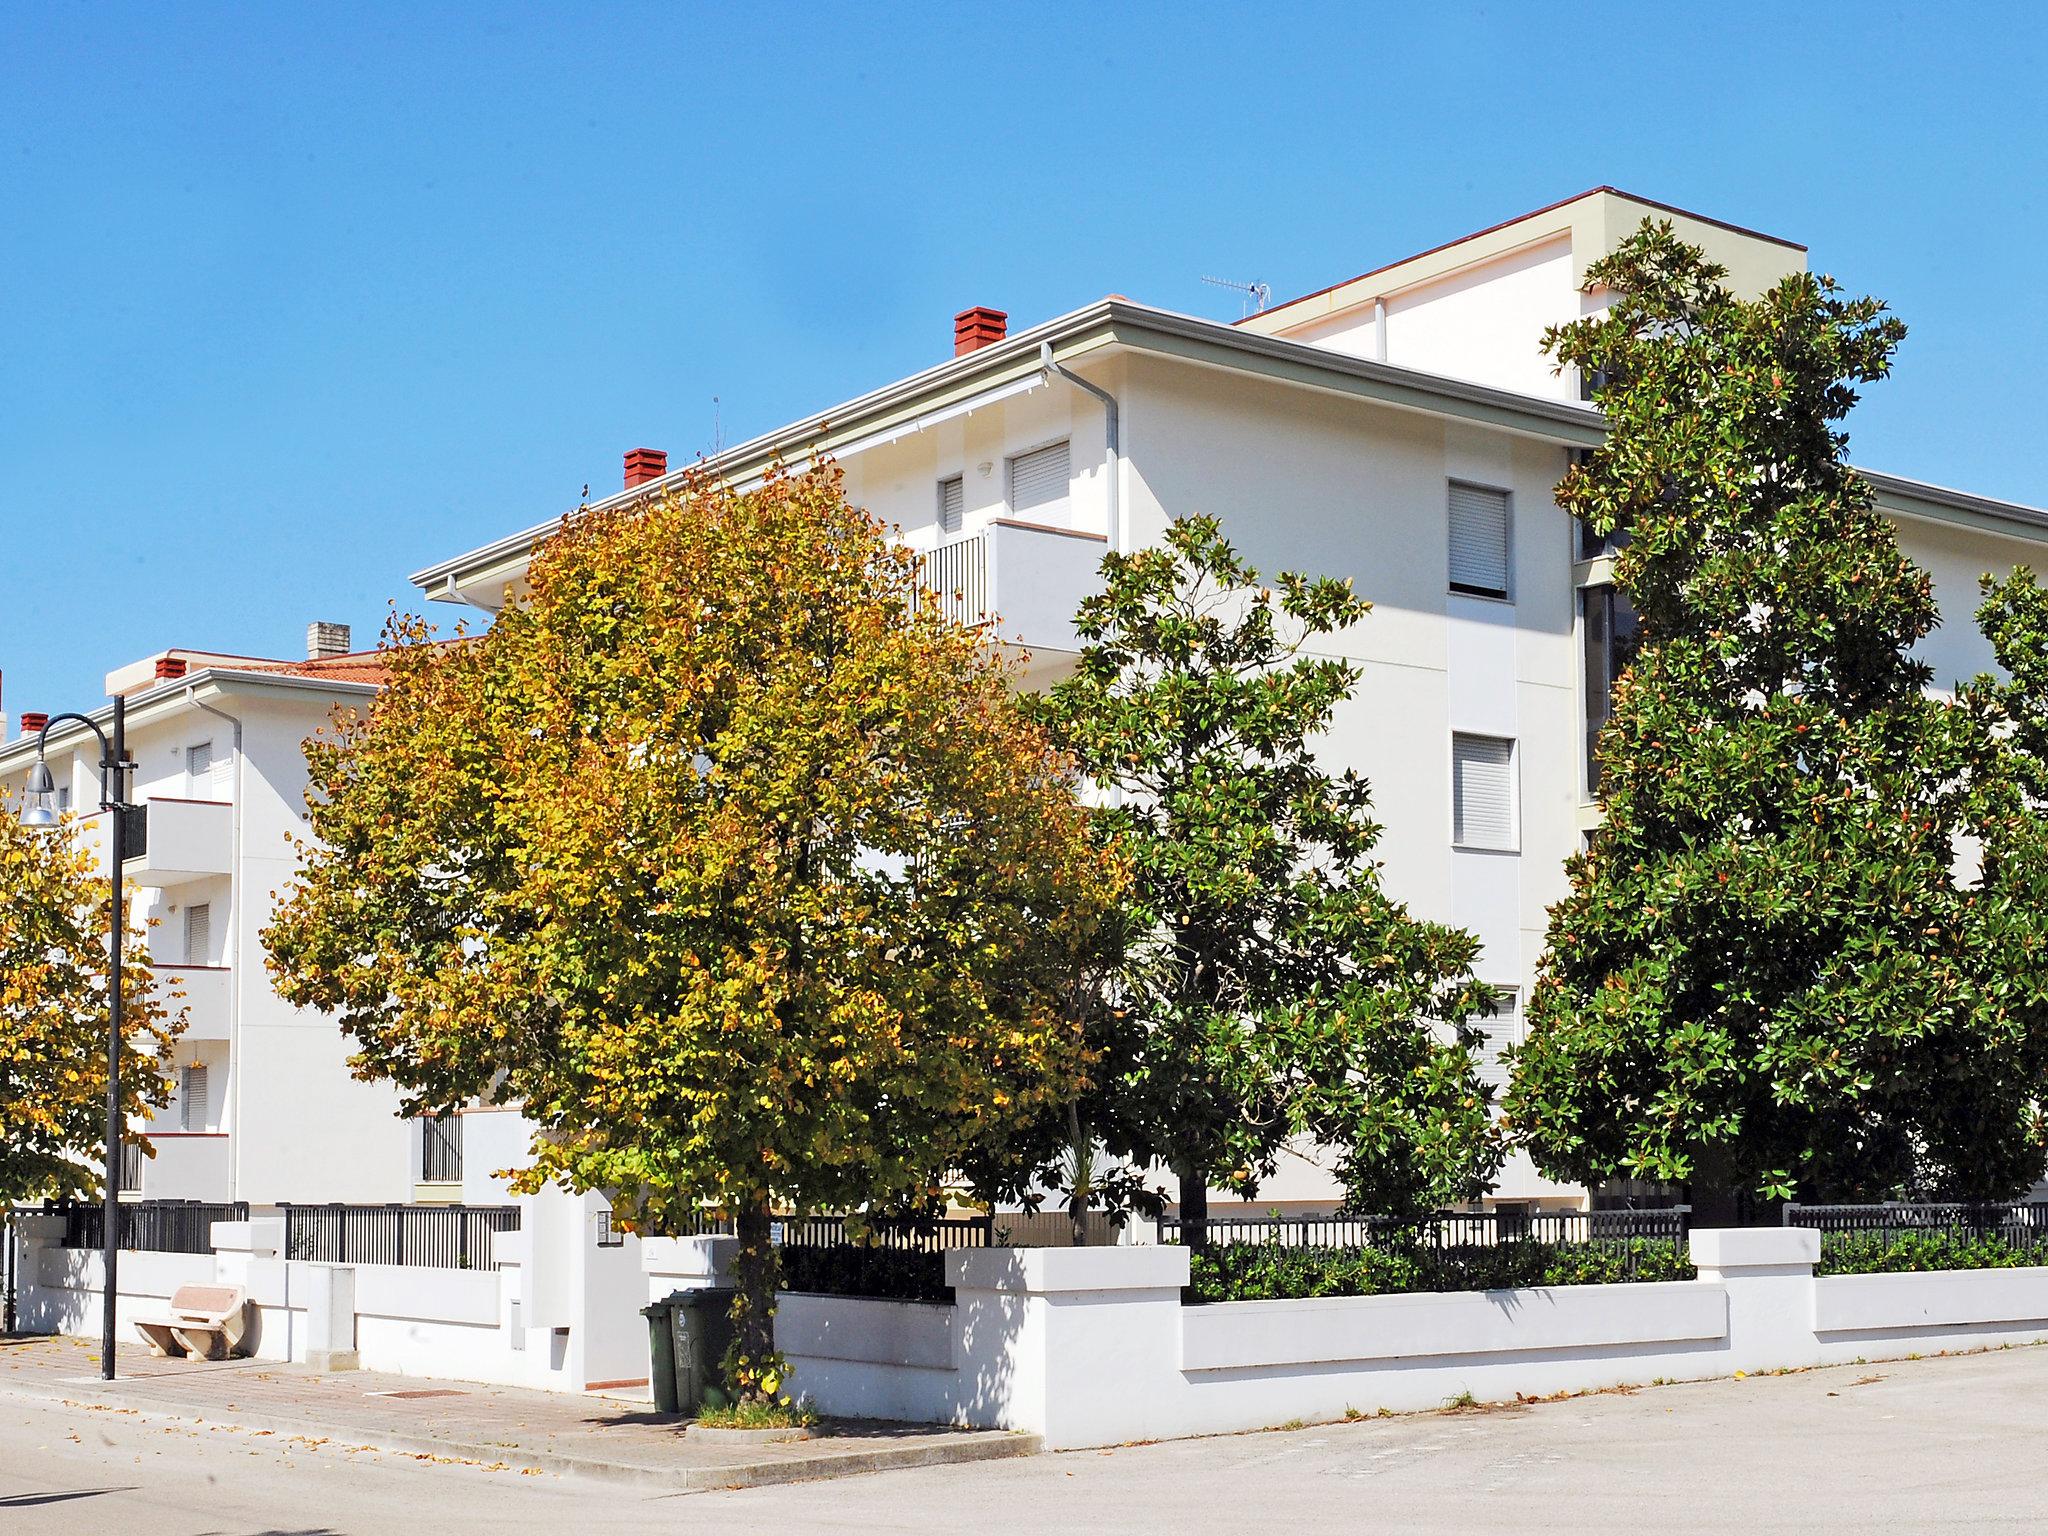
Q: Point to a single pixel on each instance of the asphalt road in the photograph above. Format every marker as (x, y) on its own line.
(1931, 1445)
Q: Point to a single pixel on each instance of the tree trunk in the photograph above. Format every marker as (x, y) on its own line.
(1714, 1191)
(1194, 1210)
(755, 1267)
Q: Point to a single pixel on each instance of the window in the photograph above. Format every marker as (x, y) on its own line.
(192, 1098)
(441, 1149)
(1479, 541)
(199, 769)
(1610, 645)
(1483, 792)
(198, 933)
(1501, 1031)
(1038, 483)
(952, 504)
(1600, 546)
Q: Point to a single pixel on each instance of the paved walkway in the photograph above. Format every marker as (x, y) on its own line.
(494, 1427)
(1940, 1445)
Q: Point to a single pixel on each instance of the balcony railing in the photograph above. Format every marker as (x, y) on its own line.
(167, 842)
(957, 575)
(1024, 578)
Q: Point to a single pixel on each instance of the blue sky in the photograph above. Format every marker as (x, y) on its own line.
(296, 300)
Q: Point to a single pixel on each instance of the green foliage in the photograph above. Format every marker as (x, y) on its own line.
(1767, 976)
(54, 921)
(723, 854)
(1892, 1253)
(851, 1269)
(1266, 987)
(1279, 1272)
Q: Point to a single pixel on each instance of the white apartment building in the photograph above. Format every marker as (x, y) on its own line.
(1401, 428)
(264, 1109)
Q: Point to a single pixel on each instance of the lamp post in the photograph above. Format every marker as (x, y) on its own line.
(39, 810)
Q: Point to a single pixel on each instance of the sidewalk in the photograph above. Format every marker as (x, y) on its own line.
(565, 1433)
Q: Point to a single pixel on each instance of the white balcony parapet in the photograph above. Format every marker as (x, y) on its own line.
(1023, 579)
(173, 841)
(205, 992)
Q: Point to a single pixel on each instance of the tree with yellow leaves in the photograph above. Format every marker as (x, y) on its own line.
(53, 1017)
(726, 856)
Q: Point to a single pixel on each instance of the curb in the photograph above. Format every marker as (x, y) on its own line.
(985, 1446)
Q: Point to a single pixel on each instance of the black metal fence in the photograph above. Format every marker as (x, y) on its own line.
(931, 1236)
(907, 1234)
(424, 1236)
(2024, 1224)
(151, 1226)
(1445, 1229)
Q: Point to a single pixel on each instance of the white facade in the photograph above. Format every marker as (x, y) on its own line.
(266, 1109)
(1319, 456)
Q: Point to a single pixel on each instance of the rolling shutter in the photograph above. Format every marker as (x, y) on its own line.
(198, 933)
(1479, 541)
(1482, 792)
(952, 504)
(1038, 483)
(192, 1099)
(1500, 1032)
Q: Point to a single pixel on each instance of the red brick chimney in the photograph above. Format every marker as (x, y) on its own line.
(645, 464)
(168, 667)
(978, 327)
(33, 720)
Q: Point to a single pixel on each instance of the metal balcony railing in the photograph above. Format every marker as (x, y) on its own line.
(957, 575)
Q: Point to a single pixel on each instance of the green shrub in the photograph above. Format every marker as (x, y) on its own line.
(848, 1269)
(1276, 1272)
(1892, 1253)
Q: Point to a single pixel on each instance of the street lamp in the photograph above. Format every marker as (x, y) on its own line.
(39, 809)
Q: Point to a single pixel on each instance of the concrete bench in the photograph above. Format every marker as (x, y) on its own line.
(203, 1320)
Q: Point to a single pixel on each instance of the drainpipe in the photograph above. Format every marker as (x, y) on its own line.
(1110, 434)
(1379, 330)
(236, 1064)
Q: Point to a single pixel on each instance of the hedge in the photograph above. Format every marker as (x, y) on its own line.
(1898, 1252)
(848, 1269)
(1276, 1272)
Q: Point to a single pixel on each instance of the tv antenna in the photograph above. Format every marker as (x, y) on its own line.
(717, 425)
(1257, 295)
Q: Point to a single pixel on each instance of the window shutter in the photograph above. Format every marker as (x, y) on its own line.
(1482, 792)
(199, 764)
(1479, 541)
(952, 504)
(192, 1099)
(1038, 482)
(198, 933)
(1499, 1032)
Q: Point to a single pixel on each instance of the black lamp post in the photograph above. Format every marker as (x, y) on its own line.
(39, 810)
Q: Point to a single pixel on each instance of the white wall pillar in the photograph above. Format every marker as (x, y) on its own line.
(687, 1263)
(1769, 1275)
(328, 1292)
(1030, 1323)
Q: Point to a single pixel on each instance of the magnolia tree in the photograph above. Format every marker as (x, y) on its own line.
(53, 1017)
(1265, 986)
(726, 857)
(1775, 973)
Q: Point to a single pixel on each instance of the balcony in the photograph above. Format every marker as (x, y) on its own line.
(169, 842)
(1024, 579)
(187, 1166)
(207, 991)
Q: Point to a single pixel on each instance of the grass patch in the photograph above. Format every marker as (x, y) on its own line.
(759, 1415)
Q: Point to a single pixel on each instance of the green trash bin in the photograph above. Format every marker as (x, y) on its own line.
(702, 1333)
(661, 1351)
(688, 1333)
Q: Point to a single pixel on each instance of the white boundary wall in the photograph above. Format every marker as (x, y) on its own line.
(1085, 1346)
(569, 1325)
(1093, 1346)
